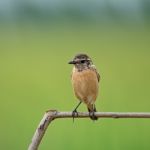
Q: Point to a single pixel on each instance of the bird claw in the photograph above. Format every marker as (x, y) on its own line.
(92, 115)
(74, 114)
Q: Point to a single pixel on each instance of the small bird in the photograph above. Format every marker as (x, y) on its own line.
(85, 81)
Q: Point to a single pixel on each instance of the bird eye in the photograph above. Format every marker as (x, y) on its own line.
(82, 61)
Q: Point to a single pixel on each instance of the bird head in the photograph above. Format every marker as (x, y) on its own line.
(81, 61)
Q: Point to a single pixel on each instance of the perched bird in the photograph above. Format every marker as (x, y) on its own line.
(85, 81)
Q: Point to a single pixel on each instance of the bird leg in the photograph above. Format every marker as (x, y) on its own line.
(74, 112)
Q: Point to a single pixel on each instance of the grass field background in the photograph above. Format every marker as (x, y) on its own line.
(35, 77)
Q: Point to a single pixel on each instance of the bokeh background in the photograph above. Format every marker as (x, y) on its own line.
(39, 37)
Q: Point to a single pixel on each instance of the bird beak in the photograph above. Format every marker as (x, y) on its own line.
(72, 62)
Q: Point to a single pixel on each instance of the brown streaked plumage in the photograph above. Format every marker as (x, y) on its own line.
(85, 80)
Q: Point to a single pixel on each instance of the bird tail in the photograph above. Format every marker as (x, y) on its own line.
(92, 110)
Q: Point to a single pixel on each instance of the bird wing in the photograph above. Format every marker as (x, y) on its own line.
(98, 75)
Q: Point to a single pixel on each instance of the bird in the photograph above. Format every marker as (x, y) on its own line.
(85, 81)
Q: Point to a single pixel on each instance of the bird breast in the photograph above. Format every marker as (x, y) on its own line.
(85, 85)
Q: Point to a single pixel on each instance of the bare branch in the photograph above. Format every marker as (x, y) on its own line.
(50, 115)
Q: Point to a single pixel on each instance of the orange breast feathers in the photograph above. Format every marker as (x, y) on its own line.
(85, 85)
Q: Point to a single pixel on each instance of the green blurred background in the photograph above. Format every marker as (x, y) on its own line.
(38, 38)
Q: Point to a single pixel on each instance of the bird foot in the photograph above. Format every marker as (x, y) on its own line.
(92, 115)
(74, 114)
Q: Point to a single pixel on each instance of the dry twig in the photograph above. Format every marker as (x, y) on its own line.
(50, 115)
